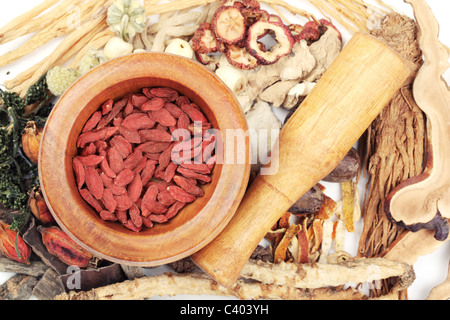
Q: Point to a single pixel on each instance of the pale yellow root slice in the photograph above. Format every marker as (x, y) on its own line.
(97, 42)
(37, 23)
(348, 206)
(58, 28)
(25, 18)
(83, 34)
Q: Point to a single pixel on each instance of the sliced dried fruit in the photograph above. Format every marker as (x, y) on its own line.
(281, 34)
(229, 24)
(253, 15)
(241, 58)
(326, 23)
(204, 58)
(204, 40)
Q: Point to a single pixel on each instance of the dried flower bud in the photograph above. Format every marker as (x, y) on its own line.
(64, 248)
(31, 139)
(8, 245)
(38, 206)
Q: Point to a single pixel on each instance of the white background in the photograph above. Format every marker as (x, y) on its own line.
(430, 270)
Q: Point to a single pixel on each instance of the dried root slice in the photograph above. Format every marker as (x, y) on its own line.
(229, 24)
(282, 35)
(241, 58)
(204, 40)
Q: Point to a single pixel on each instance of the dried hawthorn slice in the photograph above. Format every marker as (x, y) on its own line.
(282, 35)
(203, 58)
(324, 24)
(229, 24)
(241, 58)
(253, 15)
(204, 40)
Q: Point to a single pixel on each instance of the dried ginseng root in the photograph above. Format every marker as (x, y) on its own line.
(60, 245)
(144, 157)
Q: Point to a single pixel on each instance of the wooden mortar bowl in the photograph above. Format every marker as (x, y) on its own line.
(199, 222)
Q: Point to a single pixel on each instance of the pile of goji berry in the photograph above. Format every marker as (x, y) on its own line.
(144, 157)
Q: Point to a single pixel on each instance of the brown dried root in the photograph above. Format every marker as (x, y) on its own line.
(395, 145)
(201, 284)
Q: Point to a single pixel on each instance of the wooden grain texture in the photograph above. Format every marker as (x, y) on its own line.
(332, 118)
(199, 222)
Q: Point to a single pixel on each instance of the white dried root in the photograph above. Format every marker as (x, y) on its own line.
(201, 284)
(234, 78)
(264, 129)
(275, 282)
(318, 275)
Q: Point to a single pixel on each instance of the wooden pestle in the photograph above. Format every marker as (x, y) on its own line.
(345, 101)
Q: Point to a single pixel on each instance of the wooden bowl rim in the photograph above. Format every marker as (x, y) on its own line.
(99, 237)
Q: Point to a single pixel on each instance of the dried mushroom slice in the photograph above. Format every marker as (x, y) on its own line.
(241, 58)
(282, 35)
(204, 40)
(229, 24)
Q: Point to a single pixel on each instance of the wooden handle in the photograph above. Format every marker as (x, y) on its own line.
(329, 122)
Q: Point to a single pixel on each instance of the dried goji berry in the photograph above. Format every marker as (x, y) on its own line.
(153, 104)
(94, 183)
(180, 195)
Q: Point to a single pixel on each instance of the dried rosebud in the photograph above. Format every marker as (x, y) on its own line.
(8, 240)
(38, 206)
(31, 139)
(64, 248)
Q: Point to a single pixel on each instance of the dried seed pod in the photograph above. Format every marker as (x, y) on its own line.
(229, 24)
(38, 207)
(282, 35)
(31, 139)
(8, 240)
(64, 248)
